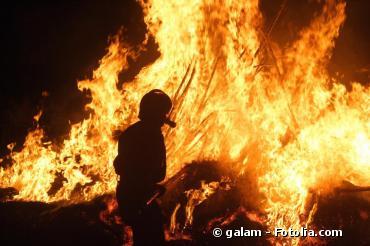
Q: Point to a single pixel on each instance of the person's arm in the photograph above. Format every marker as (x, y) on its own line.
(160, 159)
(118, 161)
(162, 171)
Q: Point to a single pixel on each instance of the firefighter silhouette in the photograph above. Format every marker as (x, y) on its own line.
(141, 165)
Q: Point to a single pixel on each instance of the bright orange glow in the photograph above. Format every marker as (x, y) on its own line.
(284, 118)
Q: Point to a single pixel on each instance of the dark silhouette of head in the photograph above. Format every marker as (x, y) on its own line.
(154, 108)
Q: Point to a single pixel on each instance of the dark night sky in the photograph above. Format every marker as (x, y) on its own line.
(50, 45)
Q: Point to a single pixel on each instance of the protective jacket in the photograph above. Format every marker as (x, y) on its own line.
(140, 163)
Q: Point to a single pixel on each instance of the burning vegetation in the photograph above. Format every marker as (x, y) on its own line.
(278, 134)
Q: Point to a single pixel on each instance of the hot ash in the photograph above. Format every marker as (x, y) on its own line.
(273, 113)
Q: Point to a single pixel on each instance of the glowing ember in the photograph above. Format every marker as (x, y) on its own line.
(196, 197)
(285, 121)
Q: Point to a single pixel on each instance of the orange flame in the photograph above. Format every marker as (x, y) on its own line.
(238, 99)
(196, 197)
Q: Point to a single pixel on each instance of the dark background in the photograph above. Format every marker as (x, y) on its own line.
(48, 46)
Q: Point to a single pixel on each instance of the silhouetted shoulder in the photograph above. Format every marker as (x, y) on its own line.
(140, 130)
(133, 128)
(132, 131)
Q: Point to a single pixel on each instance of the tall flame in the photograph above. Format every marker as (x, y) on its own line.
(238, 99)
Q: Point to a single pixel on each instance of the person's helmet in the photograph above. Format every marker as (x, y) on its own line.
(154, 106)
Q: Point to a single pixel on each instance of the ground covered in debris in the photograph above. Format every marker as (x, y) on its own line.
(91, 223)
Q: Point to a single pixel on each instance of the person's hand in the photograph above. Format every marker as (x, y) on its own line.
(161, 189)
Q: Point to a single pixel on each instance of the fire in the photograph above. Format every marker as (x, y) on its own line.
(238, 98)
(84, 159)
(196, 197)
